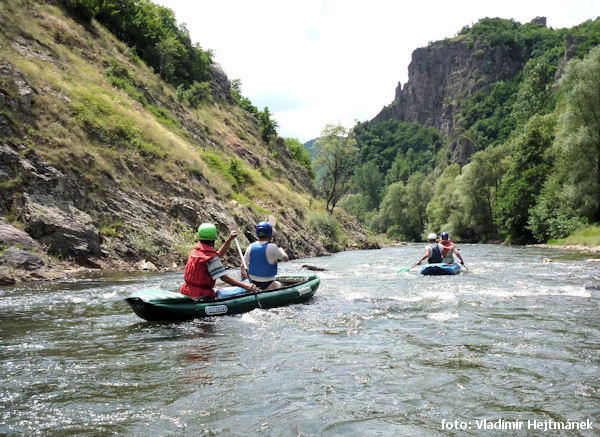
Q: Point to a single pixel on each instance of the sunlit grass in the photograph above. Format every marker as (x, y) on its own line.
(586, 236)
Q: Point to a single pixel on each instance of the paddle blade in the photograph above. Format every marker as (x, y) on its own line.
(405, 269)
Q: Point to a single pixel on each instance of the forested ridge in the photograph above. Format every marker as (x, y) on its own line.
(534, 171)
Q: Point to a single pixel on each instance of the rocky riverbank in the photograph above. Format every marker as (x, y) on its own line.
(576, 247)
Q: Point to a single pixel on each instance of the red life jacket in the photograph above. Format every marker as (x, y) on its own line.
(447, 246)
(198, 282)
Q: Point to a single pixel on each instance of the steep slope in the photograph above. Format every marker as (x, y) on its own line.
(445, 76)
(101, 163)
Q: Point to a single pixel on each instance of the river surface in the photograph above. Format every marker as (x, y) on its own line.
(373, 353)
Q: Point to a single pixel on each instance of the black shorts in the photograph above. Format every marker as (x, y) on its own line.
(262, 285)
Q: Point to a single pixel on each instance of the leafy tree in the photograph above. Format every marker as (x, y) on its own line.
(169, 49)
(486, 117)
(240, 100)
(335, 153)
(369, 182)
(535, 94)
(442, 211)
(570, 196)
(268, 126)
(152, 32)
(524, 179)
(195, 94)
(355, 204)
(578, 134)
(300, 154)
(84, 9)
(388, 141)
(419, 192)
(402, 211)
(477, 190)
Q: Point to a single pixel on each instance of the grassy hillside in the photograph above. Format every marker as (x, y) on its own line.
(81, 109)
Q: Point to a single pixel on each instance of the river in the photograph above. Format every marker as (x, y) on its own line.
(373, 353)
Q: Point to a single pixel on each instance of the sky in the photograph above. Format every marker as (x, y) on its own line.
(316, 62)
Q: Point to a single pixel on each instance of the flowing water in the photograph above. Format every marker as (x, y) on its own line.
(373, 353)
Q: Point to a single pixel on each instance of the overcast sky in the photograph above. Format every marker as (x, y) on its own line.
(315, 62)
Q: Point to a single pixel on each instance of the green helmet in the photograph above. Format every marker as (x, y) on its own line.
(207, 231)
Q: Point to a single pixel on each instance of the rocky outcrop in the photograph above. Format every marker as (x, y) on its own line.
(440, 76)
(446, 73)
(12, 236)
(61, 227)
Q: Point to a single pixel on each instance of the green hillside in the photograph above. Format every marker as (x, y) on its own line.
(113, 149)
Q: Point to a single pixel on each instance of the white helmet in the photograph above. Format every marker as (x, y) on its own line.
(432, 236)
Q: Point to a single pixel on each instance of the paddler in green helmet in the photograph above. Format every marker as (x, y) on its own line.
(204, 265)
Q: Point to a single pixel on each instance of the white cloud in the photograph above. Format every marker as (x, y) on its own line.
(317, 62)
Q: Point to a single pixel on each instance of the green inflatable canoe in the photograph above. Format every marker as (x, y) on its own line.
(162, 305)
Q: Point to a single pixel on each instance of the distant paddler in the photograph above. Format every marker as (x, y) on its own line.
(440, 253)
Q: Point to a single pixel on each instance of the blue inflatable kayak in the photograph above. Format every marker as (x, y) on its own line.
(440, 269)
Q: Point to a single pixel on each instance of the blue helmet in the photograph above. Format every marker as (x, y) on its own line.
(444, 235)
(263, 229)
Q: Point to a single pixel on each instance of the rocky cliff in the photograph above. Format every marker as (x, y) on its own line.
(113, 170)
(442, 76)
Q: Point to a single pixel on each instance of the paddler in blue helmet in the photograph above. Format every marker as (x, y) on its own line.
(449, 250)
(262, 257)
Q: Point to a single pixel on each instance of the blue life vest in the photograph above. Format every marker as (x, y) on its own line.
(259, 266)
(436, 254)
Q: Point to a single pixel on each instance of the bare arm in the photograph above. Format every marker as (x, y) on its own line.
(285, 257)
(231, 281)
(458, 255)
(225, 245)
(424, 256)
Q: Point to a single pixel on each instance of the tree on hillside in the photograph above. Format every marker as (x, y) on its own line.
(477, 189)
(578, 135)
(335, 153)
(300, 154)
(268, 126)
(169, 49)
(442, 212)
(524, 179)
(369, 182)
(570, 195)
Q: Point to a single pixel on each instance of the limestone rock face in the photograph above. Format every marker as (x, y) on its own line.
(62, 227)
(446, 73)
(21, 259)
(11, 236)
(439, 78)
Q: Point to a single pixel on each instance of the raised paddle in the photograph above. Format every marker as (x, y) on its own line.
(246, 268)
(406, 269)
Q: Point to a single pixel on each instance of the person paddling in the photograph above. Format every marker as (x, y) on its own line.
(433, 251)
(449, 250)
(204, 265)
(262, 257)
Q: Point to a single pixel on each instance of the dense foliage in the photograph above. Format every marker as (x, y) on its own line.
(536, 171)
(152, 31)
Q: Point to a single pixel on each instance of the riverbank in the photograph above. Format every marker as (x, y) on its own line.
(574, 247)
(23, 259)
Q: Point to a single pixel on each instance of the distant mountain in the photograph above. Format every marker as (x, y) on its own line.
(310, 146)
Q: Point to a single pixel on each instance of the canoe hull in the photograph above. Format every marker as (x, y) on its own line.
(162, 305)
(440, 269)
